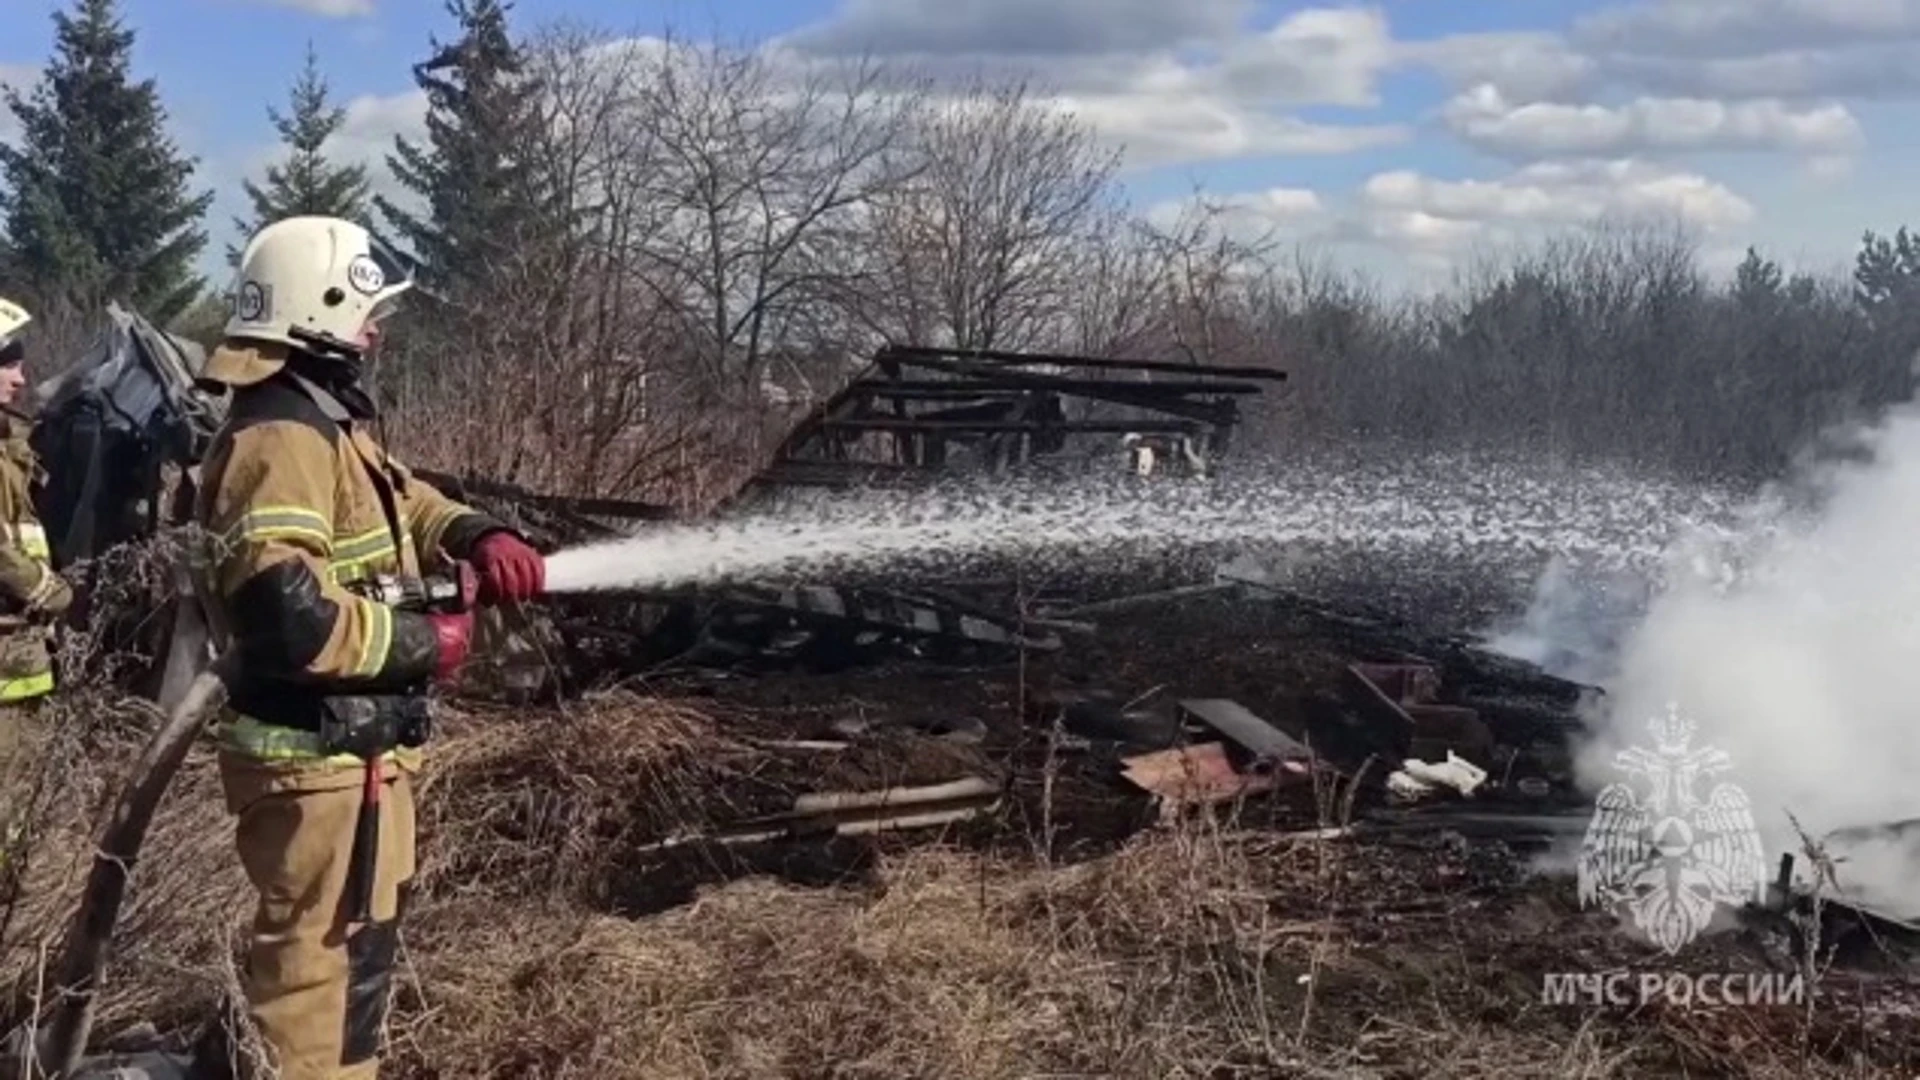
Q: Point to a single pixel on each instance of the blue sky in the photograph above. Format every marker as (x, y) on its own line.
(1400, 137)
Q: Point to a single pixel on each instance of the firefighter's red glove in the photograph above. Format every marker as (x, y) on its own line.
(509, 569)
(454, 633)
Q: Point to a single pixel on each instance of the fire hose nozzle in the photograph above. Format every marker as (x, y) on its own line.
(452, 593)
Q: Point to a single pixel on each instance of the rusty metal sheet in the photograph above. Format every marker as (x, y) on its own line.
(1401, 698)
(1196, 775)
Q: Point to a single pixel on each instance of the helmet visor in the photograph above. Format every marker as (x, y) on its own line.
(13, 321)
(384, 275)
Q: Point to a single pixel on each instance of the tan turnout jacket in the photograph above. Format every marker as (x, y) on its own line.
(296, 504)
(32, 595)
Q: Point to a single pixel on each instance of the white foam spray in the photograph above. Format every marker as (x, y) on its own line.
(1794, 645)
(1445, 508)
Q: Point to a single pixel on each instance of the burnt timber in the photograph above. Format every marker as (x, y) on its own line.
(911, 415)
(917, 411)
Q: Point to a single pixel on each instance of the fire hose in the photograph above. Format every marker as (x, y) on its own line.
(85, 952)
(84, 957)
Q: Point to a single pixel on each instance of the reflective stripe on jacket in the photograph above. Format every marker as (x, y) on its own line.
(31, 593)
(292, 502)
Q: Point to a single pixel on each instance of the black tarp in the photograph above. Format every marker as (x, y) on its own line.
(107, 426)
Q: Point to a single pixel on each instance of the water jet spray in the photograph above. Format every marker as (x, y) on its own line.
(1444, 512)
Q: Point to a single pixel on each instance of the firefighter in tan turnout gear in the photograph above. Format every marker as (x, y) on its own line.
(32, 595)
(314, 528)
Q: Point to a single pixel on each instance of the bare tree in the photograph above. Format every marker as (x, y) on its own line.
(1118, 300)
(982, 248)
(546, 375)
(1205, 271)
(760, 176)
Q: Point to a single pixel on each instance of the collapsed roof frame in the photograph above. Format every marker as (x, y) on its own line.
(1012, 403)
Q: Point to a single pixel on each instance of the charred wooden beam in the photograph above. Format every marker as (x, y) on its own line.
(869, 611)
(1140, 395)
(995, 381)
(1147, 396)
(911, 354)
(1117, 427)
(1012, 382)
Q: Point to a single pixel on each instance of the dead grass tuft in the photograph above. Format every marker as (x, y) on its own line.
(531, 805)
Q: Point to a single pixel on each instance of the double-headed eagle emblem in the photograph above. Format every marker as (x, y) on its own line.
(1667, 856)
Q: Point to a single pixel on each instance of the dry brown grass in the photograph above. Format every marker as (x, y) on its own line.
(1194, 951)
(549, 942)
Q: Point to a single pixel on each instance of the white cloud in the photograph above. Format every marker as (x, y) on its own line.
(1283, 204)
(1787, 49)
(1418, 228)
(1829, 169)
(1163, 111)
(1743, 27)
(1019, 27)
(373, 120)
(1326, 56)
(1120, 66)
(367, 133)
(1523, 65)
(1251, 213)
(1879, 70)
(1164, 125)
(333, 9)
(1408, 208)
(1434, 240)
(1589, 114)
(1484, 117)
(365, 136)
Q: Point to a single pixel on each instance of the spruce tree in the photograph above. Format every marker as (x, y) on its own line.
(96, 194)
(481, 188)
(306, 183)
(1886, 269)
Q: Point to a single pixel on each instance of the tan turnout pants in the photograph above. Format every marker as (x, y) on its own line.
(317, 985)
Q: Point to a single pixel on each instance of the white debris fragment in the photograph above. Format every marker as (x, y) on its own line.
(1416, 779)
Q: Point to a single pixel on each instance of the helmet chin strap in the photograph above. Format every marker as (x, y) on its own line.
(323, 344)
(334, 369)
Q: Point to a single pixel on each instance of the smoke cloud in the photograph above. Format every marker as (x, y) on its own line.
(1792, 642)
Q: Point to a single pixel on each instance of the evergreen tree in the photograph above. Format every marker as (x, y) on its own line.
(306, 183)
(96, 195)
(481, 188)
(1757, 278)
(1886, 268)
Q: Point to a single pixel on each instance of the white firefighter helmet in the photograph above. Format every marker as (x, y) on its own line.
(304, 282)
(13, 319)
